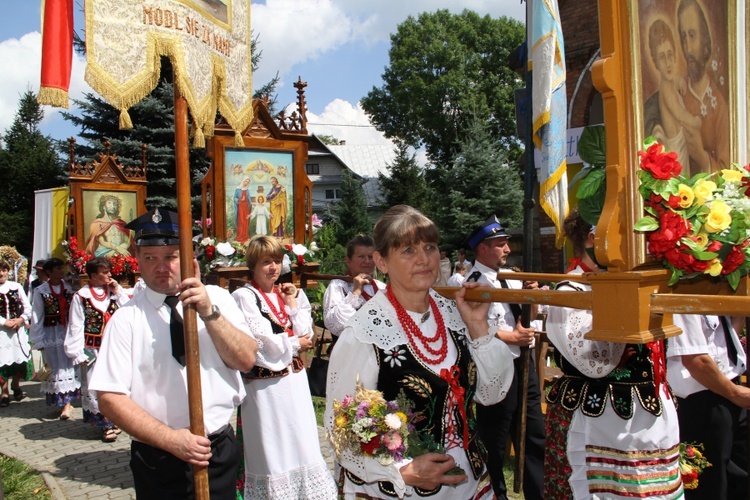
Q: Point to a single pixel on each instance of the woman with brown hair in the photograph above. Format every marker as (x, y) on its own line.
(280, 436)
(442, 354)
(49, 322)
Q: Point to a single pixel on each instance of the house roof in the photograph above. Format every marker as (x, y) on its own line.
(367, 161)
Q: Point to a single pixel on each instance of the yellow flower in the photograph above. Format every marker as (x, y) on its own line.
(719, 218)
(701, 239)
(401, 415)
(703, 191)
(730, 175)
(341, 421)
(714, 269)
(686, 195)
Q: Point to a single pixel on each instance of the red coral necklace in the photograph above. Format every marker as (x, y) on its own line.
(414, 332)
(281, 316)
(96, 295)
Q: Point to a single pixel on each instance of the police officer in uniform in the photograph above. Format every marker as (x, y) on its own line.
(141, 379)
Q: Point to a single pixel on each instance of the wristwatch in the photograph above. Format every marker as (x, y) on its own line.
(215, 313)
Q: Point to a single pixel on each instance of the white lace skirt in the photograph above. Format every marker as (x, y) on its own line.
(282, 448)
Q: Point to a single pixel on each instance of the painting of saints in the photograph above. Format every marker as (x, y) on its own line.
(242, 209)
(261, 214)
(108, 235)
(278, 205)
(687, 108)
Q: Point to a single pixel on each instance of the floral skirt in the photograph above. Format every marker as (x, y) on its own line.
(557, 469)
(22, 370)
(61, 399)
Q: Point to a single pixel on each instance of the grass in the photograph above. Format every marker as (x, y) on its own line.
(319, 405)
(20, 482)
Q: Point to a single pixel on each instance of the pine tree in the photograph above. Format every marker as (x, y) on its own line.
(480, 183)
(405, 183)
(28, 162)
(350, 213)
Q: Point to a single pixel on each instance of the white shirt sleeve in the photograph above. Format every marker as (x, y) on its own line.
(693, 339)
(495, 371)
(74, 337)
(302, 322)
(274, 351)
(36, 333)
(566, 328)
(339, 306)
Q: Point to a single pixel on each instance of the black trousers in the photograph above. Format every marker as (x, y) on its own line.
(159, 475)
(496, 421)
(706, 417)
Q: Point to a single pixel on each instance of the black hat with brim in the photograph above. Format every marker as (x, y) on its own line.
(491, 228)
(157, 227)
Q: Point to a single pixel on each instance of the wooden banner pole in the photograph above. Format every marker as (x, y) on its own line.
(192, 354)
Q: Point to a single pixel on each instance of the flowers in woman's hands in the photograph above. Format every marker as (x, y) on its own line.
(699, 225)
(692, 463)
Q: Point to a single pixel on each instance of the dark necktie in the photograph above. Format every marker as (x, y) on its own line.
(176, 329)
(731, 348)
(514, 308)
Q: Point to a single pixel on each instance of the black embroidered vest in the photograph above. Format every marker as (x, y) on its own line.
(11, 306)
(262, 372)
(400, 369)
(93, 321)
(620, 387)
(52, 309)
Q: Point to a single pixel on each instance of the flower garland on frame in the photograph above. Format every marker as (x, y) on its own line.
(698, 225)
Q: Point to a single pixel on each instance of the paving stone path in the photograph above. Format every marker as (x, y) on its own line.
(74, 461)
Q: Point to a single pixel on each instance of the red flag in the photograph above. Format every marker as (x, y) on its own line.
(57, 52)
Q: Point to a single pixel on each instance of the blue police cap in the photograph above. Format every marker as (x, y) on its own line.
(157, 227)
(491, 228)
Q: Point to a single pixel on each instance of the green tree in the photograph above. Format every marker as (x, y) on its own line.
(28, 162)
(405, 184)
(329, 140)
(350, 213)
(481, 182)
(445, 69)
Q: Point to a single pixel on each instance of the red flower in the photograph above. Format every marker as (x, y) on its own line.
(661, 165)
(210, 252)
(672, 227)
(734, 259)
(300, 259)
(371, 446)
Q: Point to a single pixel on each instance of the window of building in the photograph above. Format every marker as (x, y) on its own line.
(333, 194)
(313, 168)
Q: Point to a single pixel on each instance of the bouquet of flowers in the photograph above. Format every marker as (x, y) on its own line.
(692, 463)
(368, 425)
(123, 266)
(211, 254)
(699, 225)
(75, 257)
(295, 254)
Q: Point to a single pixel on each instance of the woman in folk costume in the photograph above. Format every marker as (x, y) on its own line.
(49, 323)
(15, 313)
(91, 308)
(442, 354)
(612, 429)
(282, 449)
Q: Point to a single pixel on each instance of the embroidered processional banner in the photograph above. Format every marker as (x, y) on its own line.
(207, 41)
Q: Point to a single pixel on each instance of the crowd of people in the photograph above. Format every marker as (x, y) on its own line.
(613, 424)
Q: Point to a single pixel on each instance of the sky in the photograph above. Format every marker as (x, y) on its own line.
(340, 50)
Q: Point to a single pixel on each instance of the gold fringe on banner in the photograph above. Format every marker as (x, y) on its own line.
(53, 97)
(125, 122)
(199, 140)
(124, 94)
(238, 141)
